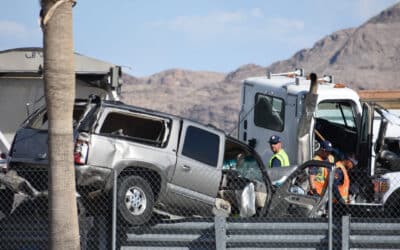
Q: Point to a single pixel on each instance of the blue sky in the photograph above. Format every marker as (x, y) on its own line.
(215, 35)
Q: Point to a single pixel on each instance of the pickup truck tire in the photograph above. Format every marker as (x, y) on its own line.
(135, 200)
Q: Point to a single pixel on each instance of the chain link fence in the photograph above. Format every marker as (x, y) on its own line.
(244, 212)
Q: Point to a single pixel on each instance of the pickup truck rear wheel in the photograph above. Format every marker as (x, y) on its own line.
(135, 200)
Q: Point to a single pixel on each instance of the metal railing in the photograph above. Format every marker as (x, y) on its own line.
(101, 227)
(370, 233)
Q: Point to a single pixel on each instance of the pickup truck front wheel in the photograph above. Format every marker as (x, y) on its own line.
(135, 200)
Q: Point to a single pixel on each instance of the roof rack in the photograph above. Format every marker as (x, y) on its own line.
(326, 79)
(296, 72)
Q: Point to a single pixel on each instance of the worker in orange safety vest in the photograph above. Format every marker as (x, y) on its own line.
(318, 176)
(341, 183)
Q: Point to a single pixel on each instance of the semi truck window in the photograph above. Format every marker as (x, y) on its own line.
(201, 145)
(269, 112)
(337, 112)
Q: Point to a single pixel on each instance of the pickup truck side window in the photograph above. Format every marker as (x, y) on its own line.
(146, 130)
(201, 145)
(269, 112)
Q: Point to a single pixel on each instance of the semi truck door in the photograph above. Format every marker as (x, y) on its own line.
(268, 118)
(364, 145)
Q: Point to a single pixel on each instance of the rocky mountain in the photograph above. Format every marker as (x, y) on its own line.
(367, 57)
(181, 92)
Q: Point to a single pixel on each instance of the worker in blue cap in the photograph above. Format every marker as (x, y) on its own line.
(279, 158)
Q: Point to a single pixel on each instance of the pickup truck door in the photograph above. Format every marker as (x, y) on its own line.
(198, 171)
(292, 199)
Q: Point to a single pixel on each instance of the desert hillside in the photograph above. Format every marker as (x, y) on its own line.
(366, 57)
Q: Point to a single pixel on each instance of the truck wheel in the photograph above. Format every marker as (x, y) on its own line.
(135, 200)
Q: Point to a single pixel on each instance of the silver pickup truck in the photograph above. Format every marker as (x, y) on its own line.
(161, 161)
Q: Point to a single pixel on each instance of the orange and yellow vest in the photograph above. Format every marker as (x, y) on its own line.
(320, 178)
(344, 187)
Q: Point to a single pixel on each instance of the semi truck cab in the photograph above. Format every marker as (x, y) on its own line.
(274, 105)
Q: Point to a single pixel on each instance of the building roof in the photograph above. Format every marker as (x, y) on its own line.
(30, 60)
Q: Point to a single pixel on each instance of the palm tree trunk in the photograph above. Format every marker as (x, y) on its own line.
(59, 79)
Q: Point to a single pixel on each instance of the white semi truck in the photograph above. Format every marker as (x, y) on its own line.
(281, 104)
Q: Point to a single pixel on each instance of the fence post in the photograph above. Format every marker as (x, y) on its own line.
(220, 232)
(330, 219)
(346, 232)
(114, 213)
